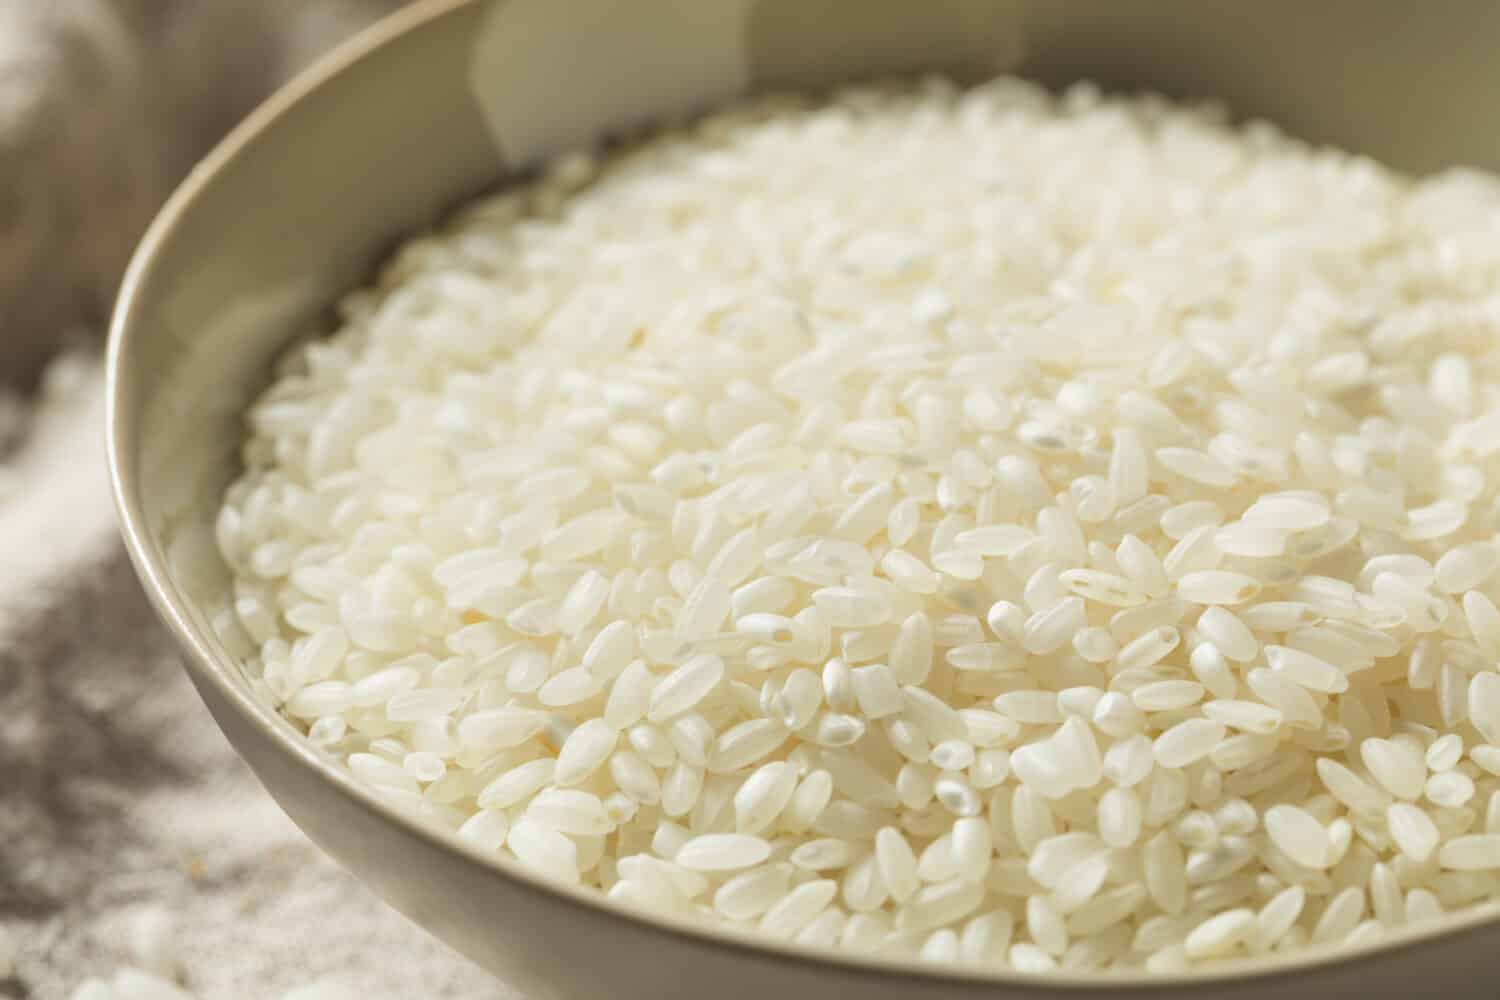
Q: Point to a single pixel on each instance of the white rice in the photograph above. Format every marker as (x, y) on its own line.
(1046, 532)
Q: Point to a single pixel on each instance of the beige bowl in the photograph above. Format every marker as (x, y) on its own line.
(443, 101)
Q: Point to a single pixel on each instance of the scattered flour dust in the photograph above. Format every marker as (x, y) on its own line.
(131, 836)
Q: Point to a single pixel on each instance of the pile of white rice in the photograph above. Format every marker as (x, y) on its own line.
(1040, 532)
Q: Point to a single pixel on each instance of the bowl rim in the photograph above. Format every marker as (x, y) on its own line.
(207, 667)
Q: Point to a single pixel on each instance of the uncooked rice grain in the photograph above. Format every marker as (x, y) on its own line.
(990, 526)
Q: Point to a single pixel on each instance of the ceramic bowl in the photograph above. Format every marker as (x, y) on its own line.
(448, 98)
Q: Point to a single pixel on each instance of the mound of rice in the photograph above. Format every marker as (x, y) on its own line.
(1042, 532)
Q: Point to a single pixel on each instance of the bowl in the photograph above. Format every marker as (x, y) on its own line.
(449, 97)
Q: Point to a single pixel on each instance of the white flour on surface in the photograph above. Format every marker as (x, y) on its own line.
(121, 798)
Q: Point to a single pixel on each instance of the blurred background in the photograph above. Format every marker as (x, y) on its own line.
(135, 850)
(104, 104)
